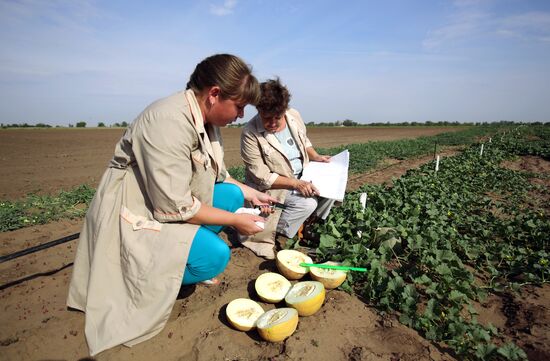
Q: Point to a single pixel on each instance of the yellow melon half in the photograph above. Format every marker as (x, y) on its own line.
(288, 263)
(306, 297)
(272, 287)
(242, 313)
(330, 278)
(276, 325)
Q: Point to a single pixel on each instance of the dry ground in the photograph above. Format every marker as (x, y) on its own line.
(37, 326)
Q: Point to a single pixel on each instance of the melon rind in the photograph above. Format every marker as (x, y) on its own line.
(284, 325)
(307, 304)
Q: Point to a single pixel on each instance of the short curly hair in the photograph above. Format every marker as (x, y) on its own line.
(274, 97)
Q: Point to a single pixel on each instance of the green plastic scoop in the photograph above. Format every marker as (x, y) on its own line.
(342, 268)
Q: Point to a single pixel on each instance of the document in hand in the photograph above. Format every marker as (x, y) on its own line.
(329, 178)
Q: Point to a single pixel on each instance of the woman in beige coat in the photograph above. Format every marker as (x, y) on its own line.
(275, 149)
(154, 220)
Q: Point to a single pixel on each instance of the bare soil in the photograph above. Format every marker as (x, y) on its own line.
(36, 325)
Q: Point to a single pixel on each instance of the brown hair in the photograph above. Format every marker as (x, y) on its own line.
(230, 73)
(274, 99)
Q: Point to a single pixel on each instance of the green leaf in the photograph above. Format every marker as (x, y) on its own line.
(456, 296)
(405, 319)
(431, 334)
(327, 241)
(512, 352)
(480, 334)
(492, 328)
(390, 243)
(485, 350)
(423, 280)
(442, 269)
(335, 231)
(428, 312)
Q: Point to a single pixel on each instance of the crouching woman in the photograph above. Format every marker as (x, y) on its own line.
(153, 222)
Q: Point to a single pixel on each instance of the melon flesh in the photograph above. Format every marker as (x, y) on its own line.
(272, 287)
(288, 263)
(243, 313)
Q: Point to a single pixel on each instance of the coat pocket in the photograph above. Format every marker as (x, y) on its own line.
(138, 244)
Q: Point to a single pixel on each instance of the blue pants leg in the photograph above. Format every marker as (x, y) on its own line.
(209, 254)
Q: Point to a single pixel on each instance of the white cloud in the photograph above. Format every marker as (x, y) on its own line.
(225, 9)
(532, 25)
(69, 15)
(476, 18)
(466, 3)
(462, 25)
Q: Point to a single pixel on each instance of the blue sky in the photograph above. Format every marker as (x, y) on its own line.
(370, 61)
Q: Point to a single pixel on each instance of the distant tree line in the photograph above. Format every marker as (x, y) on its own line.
(25, 125)
(338, 123)
(351, 123)
(77, 125)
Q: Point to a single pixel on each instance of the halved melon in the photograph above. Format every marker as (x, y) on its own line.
(288, 263)
(306, 297)
(277, 324)
(272, 287)
(242, 313)
(330, 278)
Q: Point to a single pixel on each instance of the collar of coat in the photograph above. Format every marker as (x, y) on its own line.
(208, 137)
(270, 137)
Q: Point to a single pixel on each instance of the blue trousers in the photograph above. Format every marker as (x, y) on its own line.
(209, 254)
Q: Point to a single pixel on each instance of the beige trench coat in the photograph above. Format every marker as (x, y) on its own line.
(265, 160)
(134, 245)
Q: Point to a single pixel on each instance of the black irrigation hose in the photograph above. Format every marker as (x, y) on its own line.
(38, 248)
(33, 276)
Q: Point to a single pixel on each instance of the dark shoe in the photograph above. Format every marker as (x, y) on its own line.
(307, 236)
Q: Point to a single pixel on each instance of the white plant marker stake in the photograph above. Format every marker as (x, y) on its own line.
(363, 200)
(481, 151)
(490, 140)
(437, 163)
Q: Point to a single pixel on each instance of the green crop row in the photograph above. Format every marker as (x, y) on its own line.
(368, 155)
(429, 238)
(365, 156)
(40, 209)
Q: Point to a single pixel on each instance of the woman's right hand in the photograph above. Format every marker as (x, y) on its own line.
(245, 223)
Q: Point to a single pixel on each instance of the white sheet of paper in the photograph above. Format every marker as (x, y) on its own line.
(330, 178)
